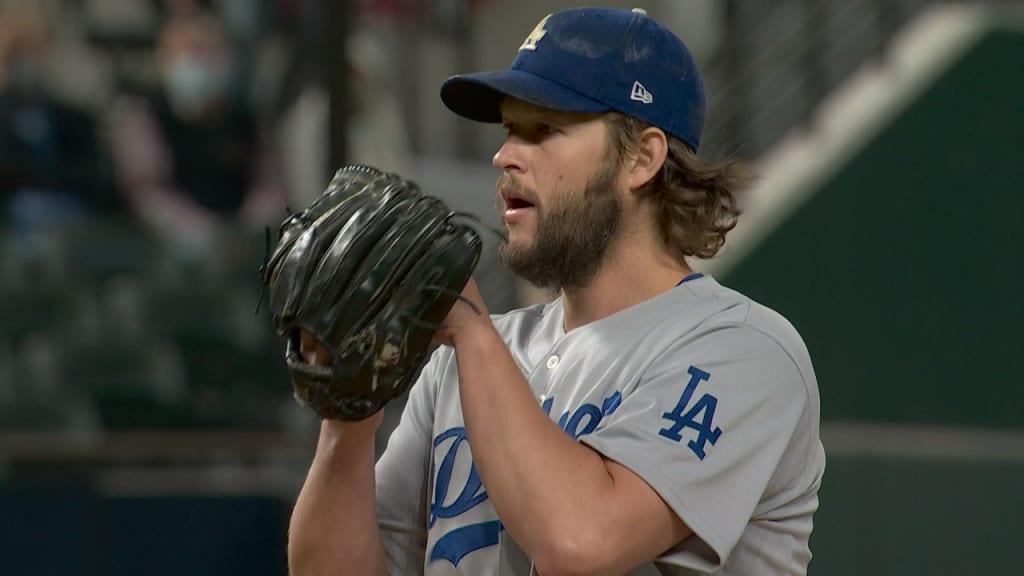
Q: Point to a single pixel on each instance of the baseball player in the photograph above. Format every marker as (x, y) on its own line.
(647, 421)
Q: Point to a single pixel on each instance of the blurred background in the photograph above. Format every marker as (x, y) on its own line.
(146, 423)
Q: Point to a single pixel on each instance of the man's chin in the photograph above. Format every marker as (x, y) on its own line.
(514, 253)
(509, 250)
(519, 240)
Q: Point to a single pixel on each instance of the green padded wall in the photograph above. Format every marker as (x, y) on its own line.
(910, 517)
(905, 271)
(905, 274)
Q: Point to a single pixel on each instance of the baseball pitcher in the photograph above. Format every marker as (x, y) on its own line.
(647, 420)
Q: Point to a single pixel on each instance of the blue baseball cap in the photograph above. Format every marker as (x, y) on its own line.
(594, 60)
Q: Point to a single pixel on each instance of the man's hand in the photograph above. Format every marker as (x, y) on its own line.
(463, 321)
(311, 350)
(313, 353)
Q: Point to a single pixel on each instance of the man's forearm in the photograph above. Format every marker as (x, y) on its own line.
(334, 527)
(542, 483)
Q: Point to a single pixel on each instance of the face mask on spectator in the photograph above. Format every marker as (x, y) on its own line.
(192, 84)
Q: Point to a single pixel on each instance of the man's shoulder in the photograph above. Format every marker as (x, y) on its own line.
(718, 307)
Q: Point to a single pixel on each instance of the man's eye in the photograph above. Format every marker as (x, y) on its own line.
(531, 132)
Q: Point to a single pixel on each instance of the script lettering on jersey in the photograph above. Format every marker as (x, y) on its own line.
(458, 493)
(698, 416)
(455, 545)
(587, 415)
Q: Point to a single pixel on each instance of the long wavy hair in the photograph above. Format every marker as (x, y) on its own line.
(695, 201)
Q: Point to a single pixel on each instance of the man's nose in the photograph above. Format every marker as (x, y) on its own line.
(508, 157)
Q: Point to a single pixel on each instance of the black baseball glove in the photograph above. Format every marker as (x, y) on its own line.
(370, 270)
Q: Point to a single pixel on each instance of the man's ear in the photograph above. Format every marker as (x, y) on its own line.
(648, 157)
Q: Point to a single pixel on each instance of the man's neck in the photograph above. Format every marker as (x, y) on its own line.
(627, 278)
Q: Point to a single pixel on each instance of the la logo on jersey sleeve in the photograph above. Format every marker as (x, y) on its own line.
(697, 415)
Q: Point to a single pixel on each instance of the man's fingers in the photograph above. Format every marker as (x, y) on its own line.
(311, 350)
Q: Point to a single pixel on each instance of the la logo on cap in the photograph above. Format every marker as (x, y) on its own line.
(538, 32)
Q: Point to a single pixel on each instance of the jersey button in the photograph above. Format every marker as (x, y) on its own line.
(553, 362)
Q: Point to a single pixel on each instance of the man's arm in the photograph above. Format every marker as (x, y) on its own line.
(572, 511)
(142, 168)
(333, 528)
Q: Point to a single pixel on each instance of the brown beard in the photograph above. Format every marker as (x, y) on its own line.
(572, 237)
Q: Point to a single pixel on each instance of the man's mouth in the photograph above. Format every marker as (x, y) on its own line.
(516, 203)
(517, 209)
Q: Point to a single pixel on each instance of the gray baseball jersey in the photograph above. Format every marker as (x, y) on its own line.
(705, 394)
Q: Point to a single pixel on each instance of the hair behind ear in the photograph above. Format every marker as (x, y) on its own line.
(695, 201)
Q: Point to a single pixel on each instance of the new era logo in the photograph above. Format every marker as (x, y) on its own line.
(641, 94)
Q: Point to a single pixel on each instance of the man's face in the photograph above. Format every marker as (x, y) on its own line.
(558, 195)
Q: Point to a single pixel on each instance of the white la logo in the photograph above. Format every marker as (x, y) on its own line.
(538, 32)
(641, 94)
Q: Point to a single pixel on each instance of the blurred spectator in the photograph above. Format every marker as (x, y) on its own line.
(51, 165)
(192, 157)
(376, 132)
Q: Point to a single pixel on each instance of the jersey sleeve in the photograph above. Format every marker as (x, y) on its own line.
(706, 426)
(402, 474)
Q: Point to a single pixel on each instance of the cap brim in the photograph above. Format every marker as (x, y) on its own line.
(478, 96)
